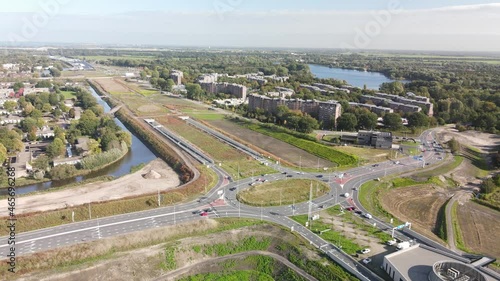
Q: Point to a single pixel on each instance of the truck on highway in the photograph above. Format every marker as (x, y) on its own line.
(403, 245)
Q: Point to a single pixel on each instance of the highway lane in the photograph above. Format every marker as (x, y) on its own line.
(41, 240)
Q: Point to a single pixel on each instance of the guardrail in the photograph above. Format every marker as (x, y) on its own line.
(183, 144)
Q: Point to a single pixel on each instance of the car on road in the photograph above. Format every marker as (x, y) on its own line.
(346, 195)
(321, 207)
(375, 165)
(208, 210)
(358, 212)
(365, 251)
(232, 189)
(397, 162)
(195, 212)
(350, 208)
(392, 242)
(367, 261)
(368, 216)
(204, 214)
(440, 158)
(289, 176)
(319, 176)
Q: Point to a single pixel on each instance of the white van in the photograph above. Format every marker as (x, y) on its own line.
(346, 195)
(368, 216)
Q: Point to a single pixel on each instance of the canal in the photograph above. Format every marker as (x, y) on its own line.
(138, 153)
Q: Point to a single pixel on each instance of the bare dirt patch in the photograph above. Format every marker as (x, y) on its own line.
(418, 204)
(276, 147)
(110, 85)
(482, 141)
(126, 186)
(480, 227)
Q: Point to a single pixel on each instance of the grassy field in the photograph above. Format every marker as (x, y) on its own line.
(284, 191)
(312, 147)
(366, 155)
(141, 106)
(331, 236)
(477, 225)
(68, 94)
(228, 157)
(88, 254)
(358, 223)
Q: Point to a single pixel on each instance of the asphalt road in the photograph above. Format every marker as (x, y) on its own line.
(340, 183)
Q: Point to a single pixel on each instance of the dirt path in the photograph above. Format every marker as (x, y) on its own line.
(173, 275)
(129, 185)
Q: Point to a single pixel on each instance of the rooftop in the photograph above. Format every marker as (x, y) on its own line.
(416, 262)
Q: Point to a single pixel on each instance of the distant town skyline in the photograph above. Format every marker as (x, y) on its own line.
(392, 24)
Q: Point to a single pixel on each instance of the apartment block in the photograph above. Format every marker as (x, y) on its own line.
(412, 99)
(236, 90)
(324, 111)
(177, 76)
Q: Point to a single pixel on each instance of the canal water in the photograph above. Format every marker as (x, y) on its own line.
(356, 78)
(138, 153)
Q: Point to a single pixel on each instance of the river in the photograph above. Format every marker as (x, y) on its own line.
(357, 78)
(138, 153)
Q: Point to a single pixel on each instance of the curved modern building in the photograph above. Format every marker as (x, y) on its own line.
(454, 271)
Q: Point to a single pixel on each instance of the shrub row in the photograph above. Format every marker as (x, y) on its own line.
(96, 161)
(159, 147)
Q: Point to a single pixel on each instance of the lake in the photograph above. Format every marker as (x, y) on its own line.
(357, 78)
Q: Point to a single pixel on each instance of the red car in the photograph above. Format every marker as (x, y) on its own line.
(204, 214)
(350, 208)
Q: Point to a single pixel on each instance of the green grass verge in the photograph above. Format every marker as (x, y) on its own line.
(315, 148)
(246, 244)
(440, 170)
(283, 191)
(230, 276)
(457, 232)
(441, 228)
(368, 195)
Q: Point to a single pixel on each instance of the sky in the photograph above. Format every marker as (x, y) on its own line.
(456, 25)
